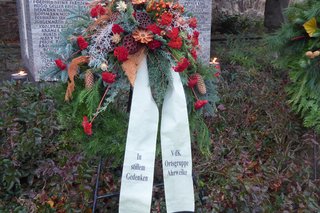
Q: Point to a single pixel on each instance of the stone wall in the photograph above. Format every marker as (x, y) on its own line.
(253, 8)
(10, 57)
(8, 21)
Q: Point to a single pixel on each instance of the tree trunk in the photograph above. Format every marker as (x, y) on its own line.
(273, 15)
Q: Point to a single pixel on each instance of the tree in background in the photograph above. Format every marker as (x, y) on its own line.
(273, 15)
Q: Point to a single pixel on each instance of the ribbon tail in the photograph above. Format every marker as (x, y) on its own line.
(138, 167)
(176, 149)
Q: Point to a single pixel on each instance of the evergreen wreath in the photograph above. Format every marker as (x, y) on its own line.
(98, 56)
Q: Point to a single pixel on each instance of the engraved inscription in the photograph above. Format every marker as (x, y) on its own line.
(202, 10)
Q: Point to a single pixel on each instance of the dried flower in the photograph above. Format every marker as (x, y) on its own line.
(182, 65)
(194, 54)
(108, 77)
(166, 19)
(82, 43)
(196, 34)
(193, 80)
(217, 74)
(60, 64)
(155, 29)
(116, 38)
(193, 22)
(200, 103)
(173, 33)
(142, 36)
(121, 53)
(175, 43)
(97, 10)
(121, 6)
(195, 38)
(155, 44)
(117, 29)
(87, 127)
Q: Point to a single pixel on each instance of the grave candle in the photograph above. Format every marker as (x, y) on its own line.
(21, 76)
(216, 65)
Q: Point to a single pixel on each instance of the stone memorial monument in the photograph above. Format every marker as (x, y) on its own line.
(202, 9)
(41, 21)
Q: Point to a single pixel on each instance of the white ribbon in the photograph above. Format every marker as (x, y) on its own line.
(176, 149)
(138, 167)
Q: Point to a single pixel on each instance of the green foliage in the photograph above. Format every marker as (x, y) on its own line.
(238, 24)
(26, 135)
(36, 164)
(127, 21)
(304, 96)
(109, 128)
(118, 94)
(90, 98)
(292, 42)
(250, 54)
(159, 68)
(200, 133)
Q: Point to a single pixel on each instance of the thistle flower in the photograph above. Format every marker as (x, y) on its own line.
(116, 38)
(121, 6)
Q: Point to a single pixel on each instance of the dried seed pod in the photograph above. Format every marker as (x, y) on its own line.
(201, 86)
(131, 45)
(89, 79)
(143, 19)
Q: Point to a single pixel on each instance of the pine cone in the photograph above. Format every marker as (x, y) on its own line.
(143, 19)
(201, 86)
(89, 79)
(131, 45)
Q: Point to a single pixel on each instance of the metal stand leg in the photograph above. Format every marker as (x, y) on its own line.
(116, 194)
(315, 160)
(95, 198)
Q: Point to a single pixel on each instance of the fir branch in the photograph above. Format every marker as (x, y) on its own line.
(200, 133)
(159, 68)
(90, 97)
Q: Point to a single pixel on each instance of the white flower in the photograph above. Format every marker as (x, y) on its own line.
(121, 6)
(116, 38)
(104, 67)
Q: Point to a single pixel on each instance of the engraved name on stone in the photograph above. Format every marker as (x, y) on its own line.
(41, 22)
(202, 10)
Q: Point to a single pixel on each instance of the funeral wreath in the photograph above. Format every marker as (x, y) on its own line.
(100, 50)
